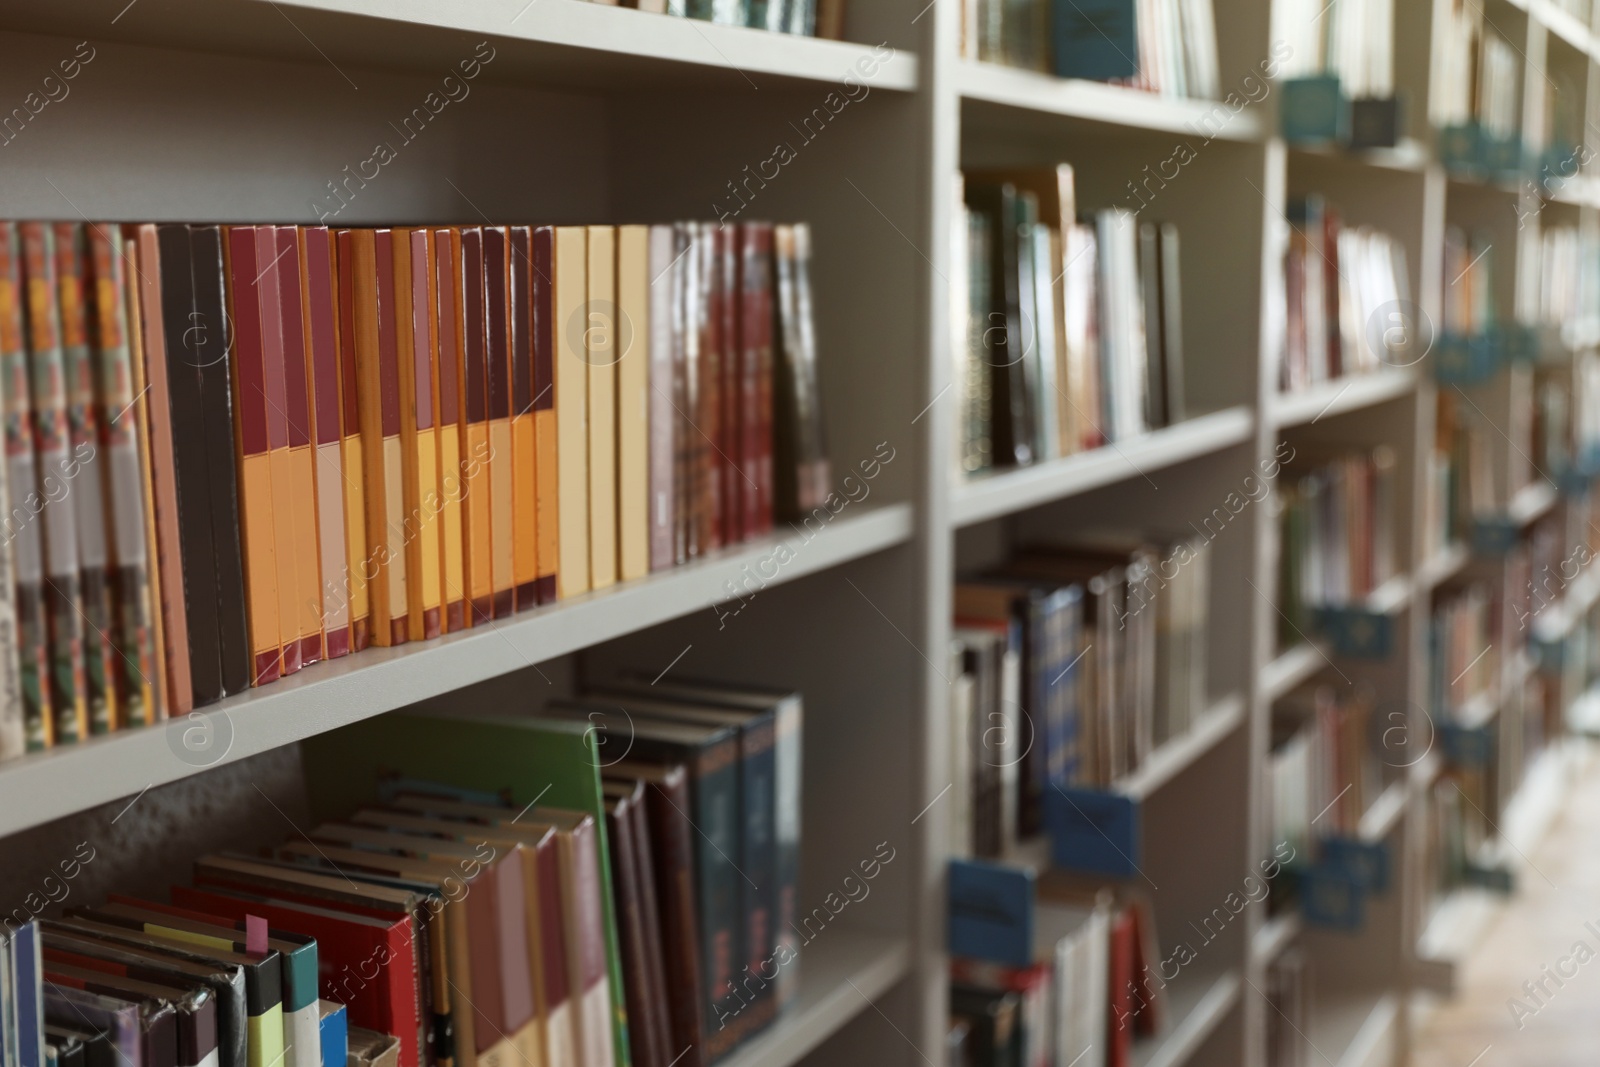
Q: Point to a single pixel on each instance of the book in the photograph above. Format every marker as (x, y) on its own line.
(800, 459)
(569, 304)
(333, 1034)
(58, 521)
(497, 356)
(643, 978)
(306, 624)
(663, 417)
(601, 324)
(319, 295)
(25, 722)
(448, 289)
(352, 452)
(255, 440)
(524, 437)
(414, 273)
(477, 531)
(631, 342)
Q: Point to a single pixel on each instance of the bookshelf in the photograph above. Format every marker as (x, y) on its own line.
(242, 110)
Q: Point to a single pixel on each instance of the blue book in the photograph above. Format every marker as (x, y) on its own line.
(1095, 39)
(334, 1027)
(1093, 831)
(991, 912)
(27, 976)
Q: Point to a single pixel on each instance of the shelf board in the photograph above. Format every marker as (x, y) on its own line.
(1366, 1044)
(1477, 711)
(1409, 156)
(1103, 105)
(1293, 667)
(1383, 814)
(1565, 26)
(1012, 490)
(550, 42)
(1195, 1013)
(1178, 753)
(840, 959)
(1446, 564)
(1579, 595)
(1273, 936)
(1340, 396)
(1391, 596)
(37, 788)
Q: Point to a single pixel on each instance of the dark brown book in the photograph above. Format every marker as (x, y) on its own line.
(755, 383)
(800, 458)
(672, 842)
(642, 995)
(731, 462)
(707, 408)
(213, 354)
(546, 500)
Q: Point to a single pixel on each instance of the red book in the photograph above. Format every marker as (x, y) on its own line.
(755, 382)
(1121, 1022)
(364, 962)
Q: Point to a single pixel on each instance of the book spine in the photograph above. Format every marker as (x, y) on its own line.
(263, 432)
(599, 337)
(88, 489)
(604, 1031)
(476, 529)
(157, 681)
(731, 460)
(630, 931)
(707, 409)
(386, 470)
(673, 836)
(497, 353)
(423, 522)
(216, 399)
(305, 624)
(134, 644)
(29, 726)
(356, 587)
(758, 859)
(816, 453)
(717, 858)
(524, 451)
(787, 724)
(52, 445)
(194, 576)
(650, 927)
(255, 470)
(318, 294)
(545, 346)
(447, 417)
(632, 345)
(570, 303)
(663, 418)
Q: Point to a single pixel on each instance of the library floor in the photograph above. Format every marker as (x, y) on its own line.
(1541, 927)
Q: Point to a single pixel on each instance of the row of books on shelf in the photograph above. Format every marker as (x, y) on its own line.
(1477, 79)
(1160, 46)
(1325, 770)
(1068, 333)
(808, 18)
(1336, 533)
(233, 451)
(1350, 40)
(1050, 971)
(1461, 484)
(1348, 309)
(1288, 995)
(1069, 667)
(1464, 665)
(453, 914)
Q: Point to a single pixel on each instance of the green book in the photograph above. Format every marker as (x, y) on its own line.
(553, 763)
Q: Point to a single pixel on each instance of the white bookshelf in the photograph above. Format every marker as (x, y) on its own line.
(243, 110)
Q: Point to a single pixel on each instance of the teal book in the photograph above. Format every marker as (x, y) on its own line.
(1094, 39)
(554, 763)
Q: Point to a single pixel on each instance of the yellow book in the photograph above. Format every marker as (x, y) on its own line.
(307, 621)
(633, 401)
(418, 456)
(571, 389)
(600, 342)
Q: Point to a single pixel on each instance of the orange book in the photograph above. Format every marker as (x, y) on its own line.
(418, 338)
(476, 532)
(600, 346)
(632, 343)
(162, 488)
(546, 502)
(571, 381)
(378, 401)
(447, 418)
(253, 438)
(524, 464)
(497, 334)
(307, 619)
(306, 623)
(269, 285)
(355, 586)
(319, 297)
